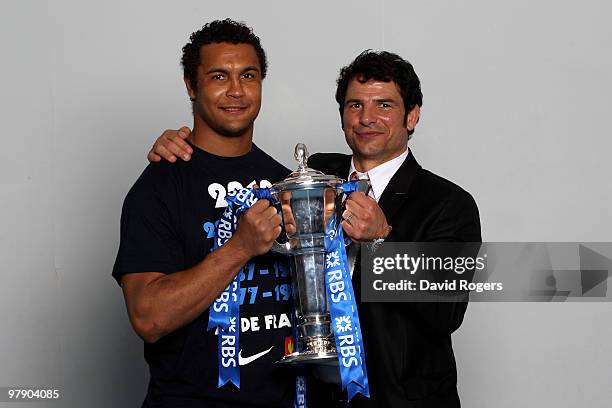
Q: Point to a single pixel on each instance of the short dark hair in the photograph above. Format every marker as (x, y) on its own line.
(219, 31)
(382, 66)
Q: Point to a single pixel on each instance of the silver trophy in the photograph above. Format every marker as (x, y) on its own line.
(311, 204)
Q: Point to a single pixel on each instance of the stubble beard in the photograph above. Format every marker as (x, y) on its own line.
(230, 132)
(226, 131)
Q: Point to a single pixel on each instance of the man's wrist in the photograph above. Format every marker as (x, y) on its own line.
(375, 244)
(239, 250)
(384, 234)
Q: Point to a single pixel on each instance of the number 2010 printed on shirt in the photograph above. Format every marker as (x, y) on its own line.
(218, 192)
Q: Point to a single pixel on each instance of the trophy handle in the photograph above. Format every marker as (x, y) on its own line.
(279, 248)
(362, 186)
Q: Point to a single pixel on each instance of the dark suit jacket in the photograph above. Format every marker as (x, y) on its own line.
(408, 347)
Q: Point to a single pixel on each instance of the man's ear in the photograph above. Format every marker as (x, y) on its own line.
(190, 90)
(413, 118)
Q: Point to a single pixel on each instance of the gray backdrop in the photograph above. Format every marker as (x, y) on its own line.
(516, 100)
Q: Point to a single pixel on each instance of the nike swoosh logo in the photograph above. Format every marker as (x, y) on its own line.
(247, 360)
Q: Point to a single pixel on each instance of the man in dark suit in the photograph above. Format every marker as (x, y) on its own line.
(408, 347)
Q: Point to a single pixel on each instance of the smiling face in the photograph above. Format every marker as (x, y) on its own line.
(375, 123)
(228, 94)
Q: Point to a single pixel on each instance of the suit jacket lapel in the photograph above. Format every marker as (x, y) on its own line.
(396, 191)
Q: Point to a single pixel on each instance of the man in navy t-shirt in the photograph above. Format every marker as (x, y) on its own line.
(165, 265)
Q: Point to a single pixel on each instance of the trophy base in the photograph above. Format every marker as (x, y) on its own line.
(319, 354)
(324, 366)
(322, 358)
(317, 350)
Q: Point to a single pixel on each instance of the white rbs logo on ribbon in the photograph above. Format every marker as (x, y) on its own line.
(228, 342)
(343, 323)
(225, 227)
(246, 197)
(333, 260)
(348, 351)
(336, 284)
(222, 302)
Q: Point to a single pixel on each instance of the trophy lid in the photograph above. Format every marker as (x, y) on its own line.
(304, 176)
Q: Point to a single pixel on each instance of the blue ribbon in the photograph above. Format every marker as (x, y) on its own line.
(225, 311)
(300, 380)
(343, 310)
(224, 314)
(342, 307)
(300, 392)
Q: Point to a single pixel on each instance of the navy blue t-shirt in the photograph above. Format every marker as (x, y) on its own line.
(167, 225)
